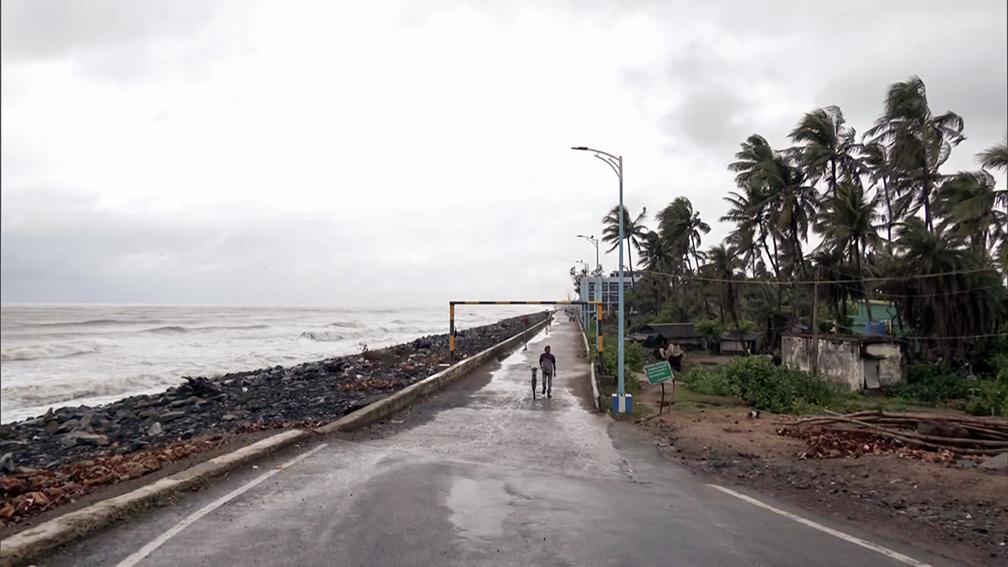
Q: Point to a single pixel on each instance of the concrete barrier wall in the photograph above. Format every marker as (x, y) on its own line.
(399, 400)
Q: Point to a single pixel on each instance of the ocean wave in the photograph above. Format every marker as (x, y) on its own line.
(98, 323)
(50, 350)
(31, 395)
(324, 336)
(167, 329)
(345, 325)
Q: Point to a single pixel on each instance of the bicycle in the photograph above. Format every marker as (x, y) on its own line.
(535, 371)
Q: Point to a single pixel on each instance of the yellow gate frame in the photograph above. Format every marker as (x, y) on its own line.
(451, 318)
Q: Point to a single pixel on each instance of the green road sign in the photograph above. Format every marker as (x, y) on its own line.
(658, 373)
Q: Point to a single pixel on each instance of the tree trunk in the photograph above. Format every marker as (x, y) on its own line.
(833, 177)
(864, 284)
(927, 201)
(888, 204)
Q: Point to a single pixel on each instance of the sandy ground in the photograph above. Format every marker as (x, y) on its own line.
(957, 512)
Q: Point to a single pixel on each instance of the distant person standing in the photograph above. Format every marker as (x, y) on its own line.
(548, 364)
(671, 354)
(526, 321)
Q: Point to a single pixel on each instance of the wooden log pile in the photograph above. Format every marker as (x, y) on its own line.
(957, 434)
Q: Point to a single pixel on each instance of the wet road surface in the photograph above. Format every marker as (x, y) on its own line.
(482, 474)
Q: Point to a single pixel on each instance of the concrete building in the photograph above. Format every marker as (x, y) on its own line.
(733, 342)
(610, 288)
(855, 363)
(885, 320)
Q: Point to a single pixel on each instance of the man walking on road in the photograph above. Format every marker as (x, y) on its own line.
(548, 364)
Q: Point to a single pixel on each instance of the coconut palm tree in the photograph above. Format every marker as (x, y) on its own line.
(942, 288)
(633, 232)
(995, 157)
(750, 212)
(682, 229)
(918, 142)
(791, 202)
(827, 148)
(724, 265)
(847, 225)
(971, 206)
(883, 178)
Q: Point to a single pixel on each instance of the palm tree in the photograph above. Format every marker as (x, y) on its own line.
(742, 244)
(953, 299)
(724, 265)
(750, 213)
(655, 258)
(881, 171)
(634, 232)
(918, 141)
(847, 223)
(791, 202)
(970, 205)
(827, 148)
(995, 157)
(682, 229)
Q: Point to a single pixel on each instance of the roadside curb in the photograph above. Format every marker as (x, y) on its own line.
(73, 525)
(596, 397)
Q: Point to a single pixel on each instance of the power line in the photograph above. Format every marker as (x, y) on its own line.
(951, 338)
(821, 282)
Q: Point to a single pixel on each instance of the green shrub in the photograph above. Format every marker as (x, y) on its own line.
(634, 358)
(763, 385)
(707, 381)
(929, 384)
(992, 397)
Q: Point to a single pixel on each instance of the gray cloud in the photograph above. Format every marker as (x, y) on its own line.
(53, 29)
(429, 171)
(61, 246)
(712, 120)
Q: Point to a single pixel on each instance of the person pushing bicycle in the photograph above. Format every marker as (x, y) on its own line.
(548, 364)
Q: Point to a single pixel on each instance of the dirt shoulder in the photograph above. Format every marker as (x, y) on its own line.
(952, 509)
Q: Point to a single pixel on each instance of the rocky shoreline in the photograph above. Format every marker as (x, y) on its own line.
(120, 437)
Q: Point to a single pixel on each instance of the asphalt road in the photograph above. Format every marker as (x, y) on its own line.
(480, 474)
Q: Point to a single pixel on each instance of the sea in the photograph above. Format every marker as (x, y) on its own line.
(69, 355)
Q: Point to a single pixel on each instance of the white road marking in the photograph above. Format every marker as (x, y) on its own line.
(855, 540)
(146, 550)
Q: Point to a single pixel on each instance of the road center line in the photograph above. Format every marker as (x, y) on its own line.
(174, 530)
(855, 540)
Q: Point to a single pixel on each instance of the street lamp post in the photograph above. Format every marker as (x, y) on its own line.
(621, 402)
(598, 292)
(584, 308)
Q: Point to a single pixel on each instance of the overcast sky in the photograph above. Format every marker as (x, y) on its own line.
(407, 153)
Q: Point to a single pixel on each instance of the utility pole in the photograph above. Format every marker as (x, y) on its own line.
(815, 323)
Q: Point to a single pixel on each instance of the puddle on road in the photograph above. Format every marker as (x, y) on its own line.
(514, 373)
(479, 508)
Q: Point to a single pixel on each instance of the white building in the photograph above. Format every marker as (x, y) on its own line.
(610, 288)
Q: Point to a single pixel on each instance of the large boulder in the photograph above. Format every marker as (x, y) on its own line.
(996, 463)
(942, 429)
